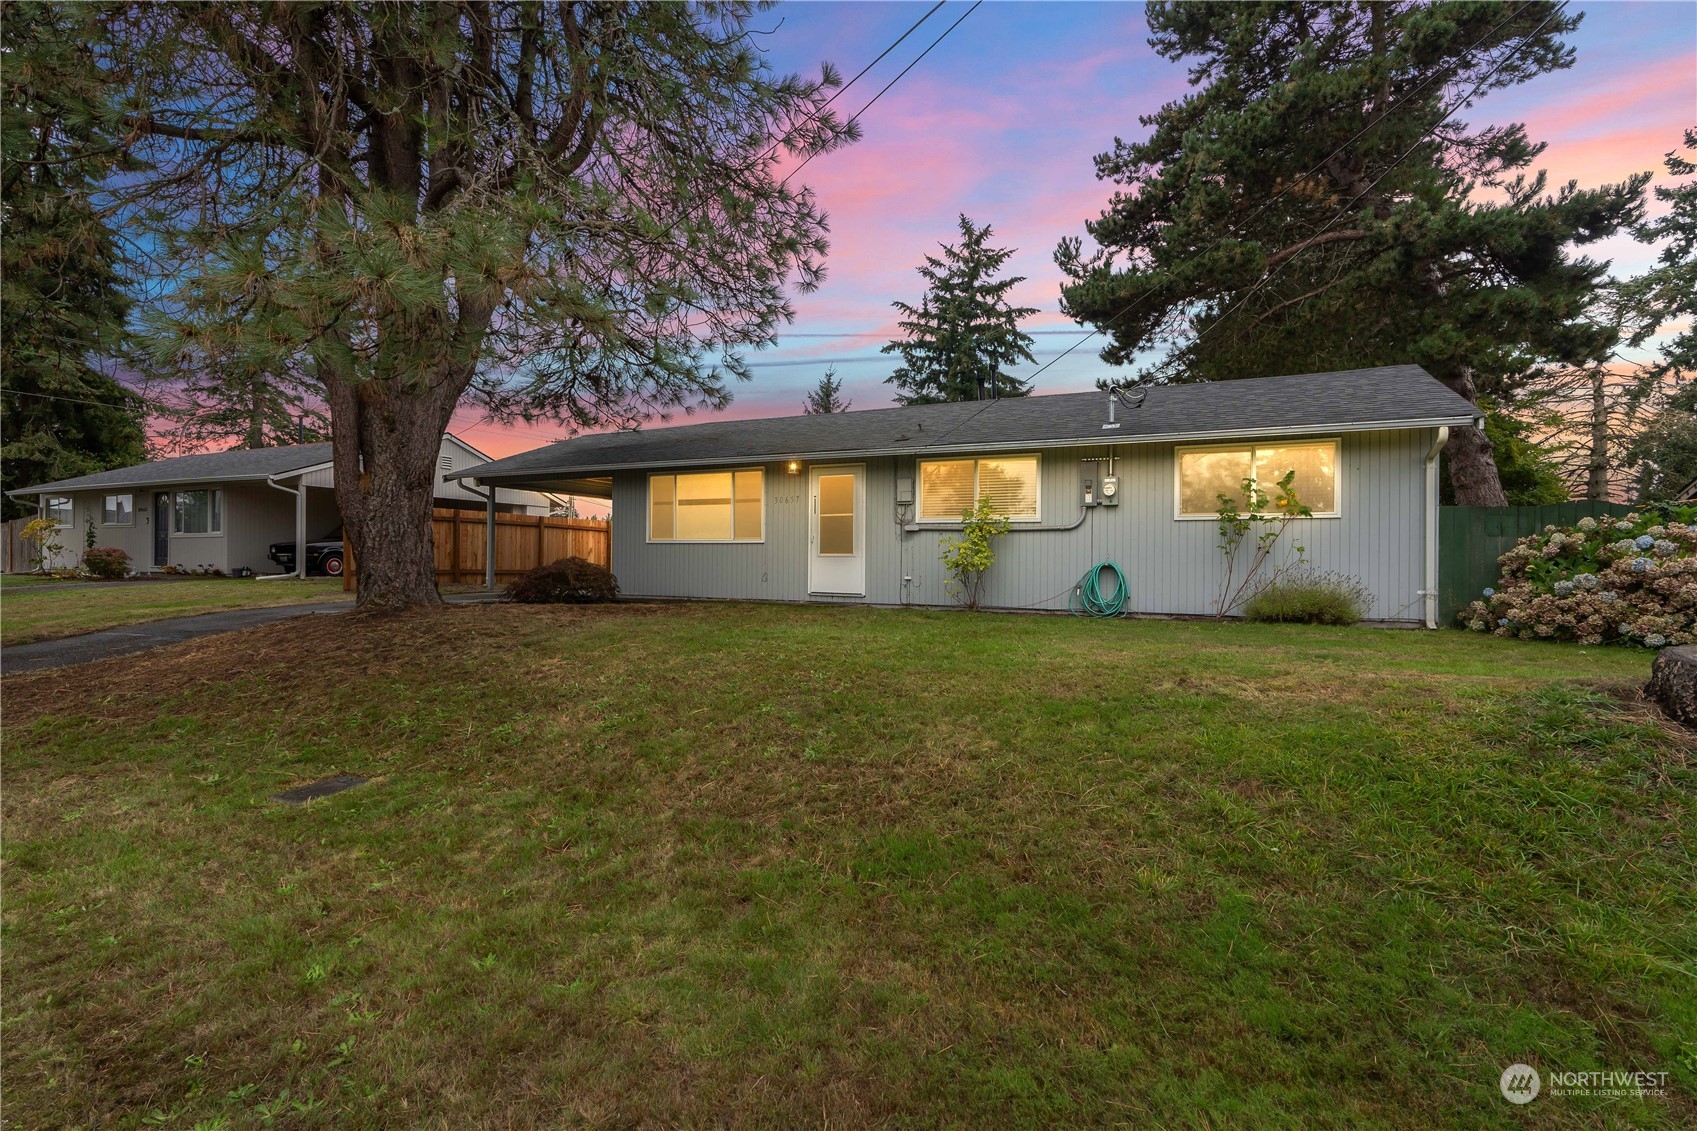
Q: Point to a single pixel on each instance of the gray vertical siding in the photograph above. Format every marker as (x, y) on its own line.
(1174, 565)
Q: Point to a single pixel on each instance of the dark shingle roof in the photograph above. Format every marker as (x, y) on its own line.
(1357, 400)
(243, 463)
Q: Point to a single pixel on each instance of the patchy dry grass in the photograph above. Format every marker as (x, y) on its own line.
(38, 613)
(772, 867)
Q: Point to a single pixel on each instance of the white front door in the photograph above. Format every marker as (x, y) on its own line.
(836, 531)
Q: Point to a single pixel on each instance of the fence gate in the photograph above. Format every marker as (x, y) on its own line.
(1471, 539)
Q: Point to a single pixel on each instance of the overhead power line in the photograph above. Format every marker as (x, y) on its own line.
(886, 87)
(844, 89)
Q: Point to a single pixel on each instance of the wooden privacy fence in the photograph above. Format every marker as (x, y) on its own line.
(1471, 539)
(16, 555)
(522, 542)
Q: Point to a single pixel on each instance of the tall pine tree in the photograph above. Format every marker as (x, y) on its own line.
(62, 304)
(1313, 204)
(575, 211)
(964, 331)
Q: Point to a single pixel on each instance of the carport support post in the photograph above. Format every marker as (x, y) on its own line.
(300, 527)
(489, 544)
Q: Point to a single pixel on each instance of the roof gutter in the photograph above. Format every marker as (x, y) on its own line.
(587, 470)
(177, 481)
(299, 492)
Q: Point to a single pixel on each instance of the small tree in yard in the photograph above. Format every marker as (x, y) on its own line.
(1272, 514)
(968, 557)
(568, 210)
(43, 534)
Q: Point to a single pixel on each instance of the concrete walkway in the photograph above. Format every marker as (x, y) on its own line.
(90, 646)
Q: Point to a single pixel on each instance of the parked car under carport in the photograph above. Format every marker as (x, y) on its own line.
(324, 558)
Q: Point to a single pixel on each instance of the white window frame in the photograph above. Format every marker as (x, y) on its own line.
(217, 509)
(118, 495)
(70, 504)
(976, 458)
(1251, 446)
(648, 506)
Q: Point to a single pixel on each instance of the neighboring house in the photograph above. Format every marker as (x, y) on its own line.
(224, 510)
(852, 507)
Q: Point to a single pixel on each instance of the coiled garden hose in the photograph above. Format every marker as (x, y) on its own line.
(1087, 599)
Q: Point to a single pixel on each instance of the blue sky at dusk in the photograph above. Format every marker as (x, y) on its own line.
(1002, 119)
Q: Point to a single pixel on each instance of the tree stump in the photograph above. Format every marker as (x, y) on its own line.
(1673, 683)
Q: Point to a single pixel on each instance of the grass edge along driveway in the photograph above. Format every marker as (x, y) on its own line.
(35, 612)
(766, 867)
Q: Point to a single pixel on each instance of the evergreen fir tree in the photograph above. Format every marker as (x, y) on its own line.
(826, 397)
(964, 331)
(1310, 206)
(1663, 456)
(62, 304)
(1667, 293)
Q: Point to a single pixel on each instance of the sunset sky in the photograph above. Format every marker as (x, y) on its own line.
(1002, 119)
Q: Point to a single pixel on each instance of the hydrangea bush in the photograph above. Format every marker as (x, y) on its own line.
(1631, 580)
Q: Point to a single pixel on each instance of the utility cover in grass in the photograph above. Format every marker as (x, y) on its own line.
(322, 788)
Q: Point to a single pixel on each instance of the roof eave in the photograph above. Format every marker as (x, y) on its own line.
(579, 471)
(69, 484)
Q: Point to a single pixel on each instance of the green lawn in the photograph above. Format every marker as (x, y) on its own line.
(30, 611)
(26, 580)
(756, 866)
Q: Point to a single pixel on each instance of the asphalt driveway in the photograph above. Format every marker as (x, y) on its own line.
(90, 646)
(103, 645)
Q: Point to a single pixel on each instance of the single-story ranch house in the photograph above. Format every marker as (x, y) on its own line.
(852, 507)
(223, 510)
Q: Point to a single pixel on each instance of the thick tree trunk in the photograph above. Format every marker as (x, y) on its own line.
(1472, 467)
(386, 440)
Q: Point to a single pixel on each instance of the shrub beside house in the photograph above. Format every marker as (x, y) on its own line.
(1631, 581)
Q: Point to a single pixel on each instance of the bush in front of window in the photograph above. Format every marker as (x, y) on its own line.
(569, 581)
(970, 556)
(106, 562)
(1268, 517)
(1307, 596)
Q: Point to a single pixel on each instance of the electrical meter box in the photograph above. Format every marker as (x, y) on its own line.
(1111, 491)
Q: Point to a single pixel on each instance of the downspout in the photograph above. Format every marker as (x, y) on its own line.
(1430, 593)
(299, 492)
(489, 534)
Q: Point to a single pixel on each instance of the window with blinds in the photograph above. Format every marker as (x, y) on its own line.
(707, 506)
(1204, 474)
(948, 488)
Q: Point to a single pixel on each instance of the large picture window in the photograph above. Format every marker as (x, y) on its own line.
(198, 512)
(707, 506)
(118, 510)
(1204, 474)
(948, 488)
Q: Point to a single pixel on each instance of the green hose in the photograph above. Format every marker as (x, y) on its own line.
(1087, 599)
